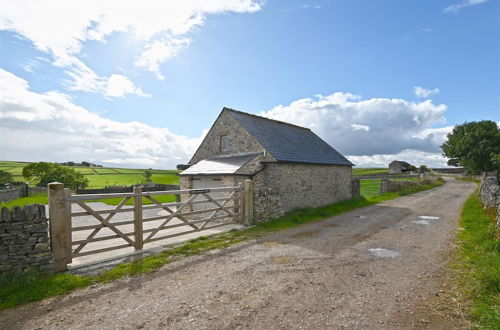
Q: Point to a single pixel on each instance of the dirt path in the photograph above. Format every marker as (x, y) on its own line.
(373, 268)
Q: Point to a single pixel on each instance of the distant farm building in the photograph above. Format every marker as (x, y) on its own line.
(399, 166)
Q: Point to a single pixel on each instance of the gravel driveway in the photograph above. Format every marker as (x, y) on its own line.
(373, 268)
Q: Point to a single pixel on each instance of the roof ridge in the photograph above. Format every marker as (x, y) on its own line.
(261, 117)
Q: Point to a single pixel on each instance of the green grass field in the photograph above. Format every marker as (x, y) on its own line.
(368, 170)
(100, 177)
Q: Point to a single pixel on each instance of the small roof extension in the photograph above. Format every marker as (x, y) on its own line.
(287, 142)
(218, 165)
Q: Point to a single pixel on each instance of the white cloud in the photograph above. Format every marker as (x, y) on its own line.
(424, 93)
(61, 27)
(50, 127)
(463, 4)
(85, 79)
(158, 52)
(369, 128)
(357, 127)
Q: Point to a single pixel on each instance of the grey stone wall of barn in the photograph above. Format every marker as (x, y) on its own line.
(24, 239)
(240, 141)
(307, 185)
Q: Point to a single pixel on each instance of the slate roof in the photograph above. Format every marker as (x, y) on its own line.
(225, 164)
(287, 142)
(400, 162)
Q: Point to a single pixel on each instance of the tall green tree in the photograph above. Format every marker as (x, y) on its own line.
(5, 177)
(475, 146)
(43, 173)
(148, 174)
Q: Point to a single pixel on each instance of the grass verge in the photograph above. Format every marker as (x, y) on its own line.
(477, 264)
(38, 199)
(468, 179)
(16, 290)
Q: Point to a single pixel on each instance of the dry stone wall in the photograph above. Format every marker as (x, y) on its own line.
(16, 190)
(490, 196)
(24, 239)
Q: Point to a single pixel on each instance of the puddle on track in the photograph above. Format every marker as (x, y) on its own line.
(384, 253)
(331, 225)
(421, 222)
(283, 260)
(428, 217)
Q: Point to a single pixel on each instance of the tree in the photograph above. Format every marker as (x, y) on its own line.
(475, 146)
(43, 173)
(5, 177)
(423, 169)
(412, 168)
(148, 174)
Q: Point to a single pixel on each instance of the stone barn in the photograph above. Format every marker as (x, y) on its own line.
(398, 166)
(291, 167)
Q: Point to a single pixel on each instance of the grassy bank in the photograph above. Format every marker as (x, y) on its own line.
(31, 287)
(477, 264)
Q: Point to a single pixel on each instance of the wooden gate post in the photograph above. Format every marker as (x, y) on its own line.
(240, 206)
(60, 225)
(138, 235)
(248, 205)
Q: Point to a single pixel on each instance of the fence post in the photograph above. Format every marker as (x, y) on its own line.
(138, 236)
(248, 208)
(60, 225)
(241, 202)
(384, 186)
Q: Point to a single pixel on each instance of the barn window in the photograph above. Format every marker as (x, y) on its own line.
(224, 143)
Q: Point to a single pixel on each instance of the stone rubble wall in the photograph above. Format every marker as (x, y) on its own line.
(489, 193)
(306, 185)
(16, 190)
(24, 239)
(387, 185)
(266, 201)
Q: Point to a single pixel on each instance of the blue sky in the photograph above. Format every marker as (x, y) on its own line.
(139, 85)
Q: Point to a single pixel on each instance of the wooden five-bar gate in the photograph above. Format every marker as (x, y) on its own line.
(236, 206)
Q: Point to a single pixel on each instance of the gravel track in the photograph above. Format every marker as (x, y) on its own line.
(377, 267)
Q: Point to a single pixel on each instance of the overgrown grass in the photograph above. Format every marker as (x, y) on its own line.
(33, 286)
(468, 179)
(39, 199)
(477, 263)
(19, 290)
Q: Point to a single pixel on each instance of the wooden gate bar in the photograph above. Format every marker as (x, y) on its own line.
(170, 217)
(220, 207)
(97, 229)
(138, 218)
(105, 222)
(223, 209)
